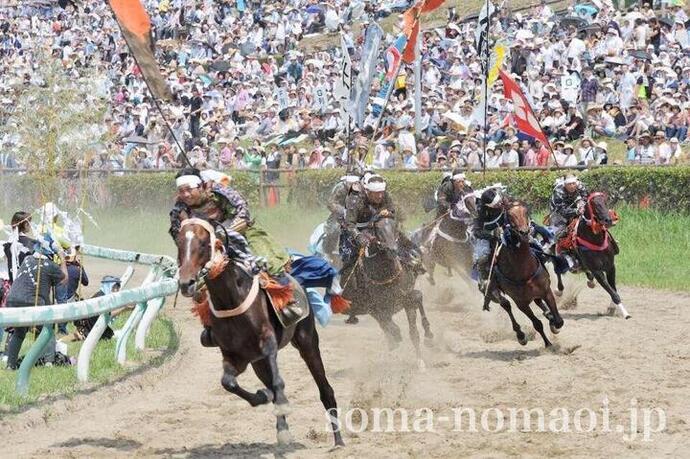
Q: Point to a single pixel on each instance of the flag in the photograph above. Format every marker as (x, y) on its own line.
(498, 56)
(481, 34)
(392, 61)
(525, 121)
(367, 68)
(342, 89)
(136, 29)
(411, 25)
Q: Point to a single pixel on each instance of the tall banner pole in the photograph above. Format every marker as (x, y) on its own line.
(487, 58)
(418, 85)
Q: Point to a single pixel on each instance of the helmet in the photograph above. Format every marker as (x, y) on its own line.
(492, 197)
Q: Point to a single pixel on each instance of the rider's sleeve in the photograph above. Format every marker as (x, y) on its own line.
(351, 216)
(335, 203)
(236, 209)
(443, 202)
(175, 220)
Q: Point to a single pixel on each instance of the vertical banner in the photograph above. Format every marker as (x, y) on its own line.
(392, 61)
(481, 34)
(367, 67)
(342, 90)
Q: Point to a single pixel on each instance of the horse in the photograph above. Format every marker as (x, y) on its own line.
(519, 273)
(380, 285)
(596, 249)
(245, 326)
(446, 241)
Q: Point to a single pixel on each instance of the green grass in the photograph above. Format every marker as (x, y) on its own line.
(49, 382)
(653, 244)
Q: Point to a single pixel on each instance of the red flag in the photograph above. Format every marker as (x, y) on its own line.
(136, 28)
(411, 25)
(525, 121)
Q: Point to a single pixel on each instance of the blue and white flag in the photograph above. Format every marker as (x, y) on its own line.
(367, 68)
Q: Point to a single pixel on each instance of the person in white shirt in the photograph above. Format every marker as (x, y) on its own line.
(328, 160)
(569, 159)
(510, 158)
(586, 151)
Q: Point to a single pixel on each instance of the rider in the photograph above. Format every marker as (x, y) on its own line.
(375, 201)
(485, 230)
(451, 190)
(348, 187)
(224, 205)
(567, 203)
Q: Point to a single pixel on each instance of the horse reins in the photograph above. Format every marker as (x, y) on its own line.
(201, 277)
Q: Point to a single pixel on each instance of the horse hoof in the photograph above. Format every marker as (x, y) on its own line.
(591, 284)
(558, 293)
(554, 330)
(265, 396)
(284, 437)
(522, 341)
(281, 410)
(623, 311)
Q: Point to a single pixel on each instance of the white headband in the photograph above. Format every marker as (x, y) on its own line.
(375, 186)
(192, 181)
(459, 176)
(496, 200)
(350, 178)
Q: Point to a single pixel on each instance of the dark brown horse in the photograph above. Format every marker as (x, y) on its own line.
(595, 249)
(245, 326)
(380, 285)
(446, 240)
(518, 273)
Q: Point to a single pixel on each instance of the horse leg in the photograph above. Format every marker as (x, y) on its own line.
(419, 302)
(536, 323)
(552, 314)
(559, 284)
(306, 340)
(390, 329)
(505, 304)
(590, 280)
(411, 313)
(267, 370)
(611, 278)
(229, 383)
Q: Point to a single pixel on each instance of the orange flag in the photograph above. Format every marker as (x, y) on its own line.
(411, 25)
(136, 29)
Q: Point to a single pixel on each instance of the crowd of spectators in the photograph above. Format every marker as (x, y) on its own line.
(245, 85)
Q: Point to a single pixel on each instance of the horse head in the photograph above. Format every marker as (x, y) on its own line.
(385, 232)
(197, 246)
(518, 219)
(597, 211)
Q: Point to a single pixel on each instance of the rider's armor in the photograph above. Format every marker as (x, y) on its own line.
(447, 196)
(565, 206)
(484, 229)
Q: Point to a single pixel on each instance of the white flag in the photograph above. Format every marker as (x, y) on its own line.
(342, 89)
(481, 34)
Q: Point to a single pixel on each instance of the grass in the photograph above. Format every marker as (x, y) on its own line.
(653, 244)
(49, 382)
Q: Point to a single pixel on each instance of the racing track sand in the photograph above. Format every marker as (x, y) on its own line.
(180, 409)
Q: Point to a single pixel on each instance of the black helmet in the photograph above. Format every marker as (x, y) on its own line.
(492, 197)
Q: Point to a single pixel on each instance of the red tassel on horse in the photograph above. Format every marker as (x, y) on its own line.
(202, 310)
(281, 295)
(339, 304)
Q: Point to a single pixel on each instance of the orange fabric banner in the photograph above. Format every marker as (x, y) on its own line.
(136, 29)
(411, 25)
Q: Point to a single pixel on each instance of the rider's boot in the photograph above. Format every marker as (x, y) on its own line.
(207, 339)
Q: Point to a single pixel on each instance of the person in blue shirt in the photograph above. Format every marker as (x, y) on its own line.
(76, 274)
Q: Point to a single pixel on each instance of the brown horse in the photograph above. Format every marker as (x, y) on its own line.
(245, 325)
(518, 273)
(446, 240)
(380, 285)
(595, 249)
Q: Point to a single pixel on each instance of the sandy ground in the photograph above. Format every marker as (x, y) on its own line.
(180, 409)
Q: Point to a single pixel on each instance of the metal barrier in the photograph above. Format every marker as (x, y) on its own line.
(149, 298)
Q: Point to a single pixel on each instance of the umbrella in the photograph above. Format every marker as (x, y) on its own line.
(641, 54)
(573, 21)
(314, 9)
(221, 66)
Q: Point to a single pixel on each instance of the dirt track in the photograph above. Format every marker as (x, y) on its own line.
(181, 410)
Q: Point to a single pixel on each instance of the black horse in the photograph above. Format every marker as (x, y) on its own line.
(446, 241)
(245, 325)
(596, 249)
(380, 284)
(518, 272)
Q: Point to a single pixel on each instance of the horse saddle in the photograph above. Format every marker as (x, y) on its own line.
(295, 310)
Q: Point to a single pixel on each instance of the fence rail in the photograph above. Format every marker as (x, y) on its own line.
(149, 298)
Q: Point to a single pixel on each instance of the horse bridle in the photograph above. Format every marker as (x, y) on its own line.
(509, 226)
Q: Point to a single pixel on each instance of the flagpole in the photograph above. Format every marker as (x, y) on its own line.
(418, 84)
(486, 86)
